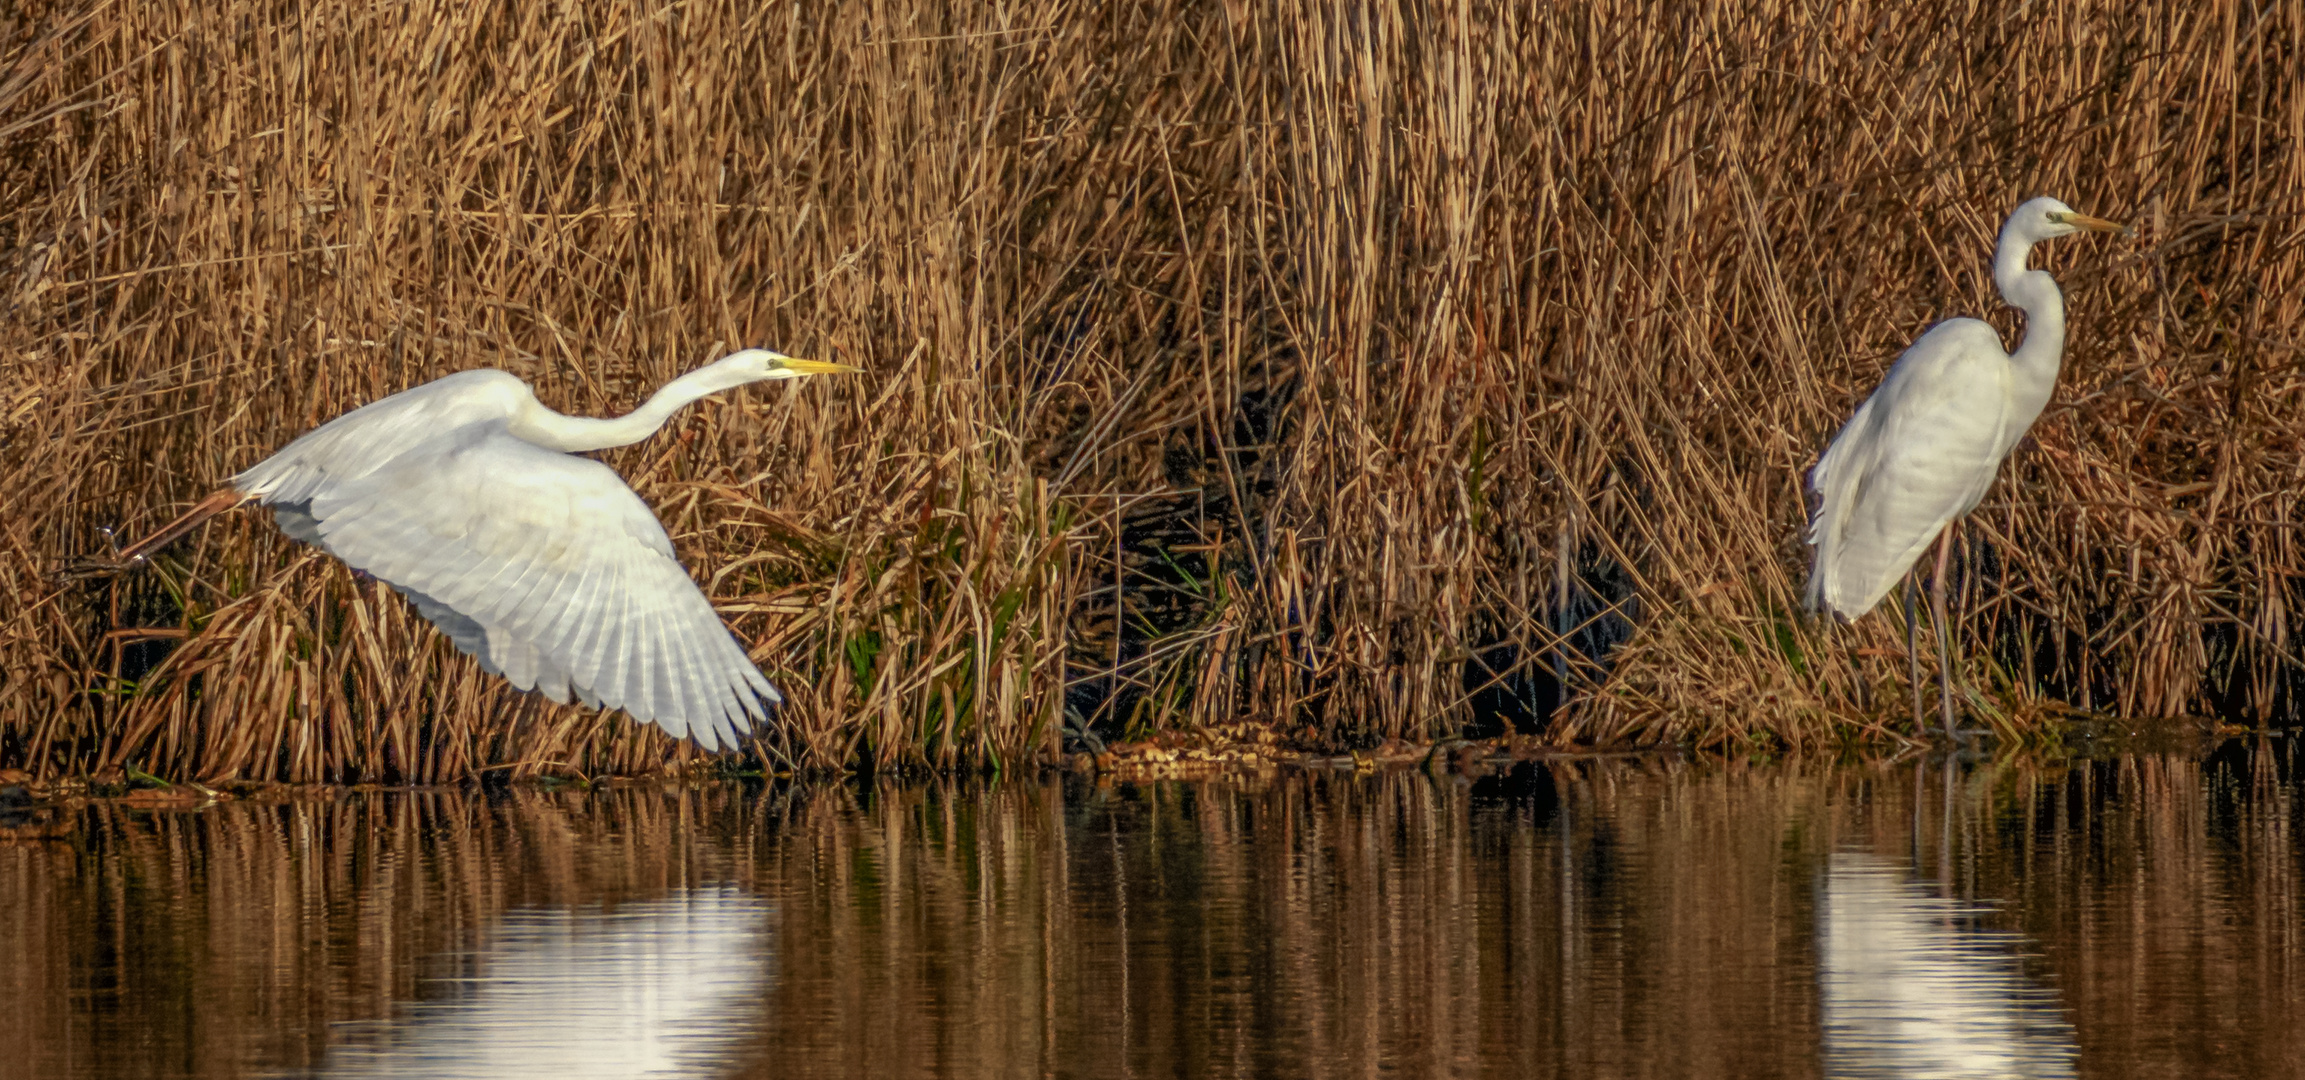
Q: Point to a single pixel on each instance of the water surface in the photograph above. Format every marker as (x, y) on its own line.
(2132, 916)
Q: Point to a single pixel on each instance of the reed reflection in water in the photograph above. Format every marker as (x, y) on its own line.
(2129, 917)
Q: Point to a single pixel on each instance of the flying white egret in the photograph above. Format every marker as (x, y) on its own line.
(462, 495)
(1921, 451)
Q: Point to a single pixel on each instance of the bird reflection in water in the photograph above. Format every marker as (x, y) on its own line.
(659, 988)
(1913, 987)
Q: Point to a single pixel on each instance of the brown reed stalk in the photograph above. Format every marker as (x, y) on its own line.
(1366, 336)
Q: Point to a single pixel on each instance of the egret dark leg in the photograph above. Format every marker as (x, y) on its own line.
(209, 507)
(1944, 632)
(135, 554)
(1913, 654)
(1864, 692)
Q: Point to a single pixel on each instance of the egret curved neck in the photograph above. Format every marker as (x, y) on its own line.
(569, 434)
(2036, 294)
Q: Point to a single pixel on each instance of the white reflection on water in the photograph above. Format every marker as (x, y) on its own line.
(660, 988)
(1912, 988)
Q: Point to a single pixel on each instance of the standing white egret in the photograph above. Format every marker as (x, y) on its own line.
(1921, 451)
(462, 494)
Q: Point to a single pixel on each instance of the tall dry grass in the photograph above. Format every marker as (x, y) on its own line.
(1357, 370)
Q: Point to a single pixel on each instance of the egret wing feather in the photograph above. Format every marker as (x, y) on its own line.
(381, 434)
(544, 566)
(295, 520)
(649, 658)
(469, 636)
(1920, 452)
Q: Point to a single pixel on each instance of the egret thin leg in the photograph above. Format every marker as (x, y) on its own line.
(207, 508)
(1913, 655)
(1857, 680)
(1944, 631)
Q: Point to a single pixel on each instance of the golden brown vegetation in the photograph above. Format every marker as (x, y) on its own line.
(1385, 357)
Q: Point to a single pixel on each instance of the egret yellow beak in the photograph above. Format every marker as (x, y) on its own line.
(2084, 221)
(814, 367)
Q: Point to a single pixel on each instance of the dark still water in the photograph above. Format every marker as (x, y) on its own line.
(2135, 916)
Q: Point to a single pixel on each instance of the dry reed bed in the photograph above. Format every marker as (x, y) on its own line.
(1367, 349)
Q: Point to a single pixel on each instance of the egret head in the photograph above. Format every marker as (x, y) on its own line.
(752, 365)
(2046, 219)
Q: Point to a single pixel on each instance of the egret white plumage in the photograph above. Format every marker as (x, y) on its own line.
(1921, 451)
(462, 494)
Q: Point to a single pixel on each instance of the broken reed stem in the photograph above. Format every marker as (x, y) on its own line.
(1376, 342)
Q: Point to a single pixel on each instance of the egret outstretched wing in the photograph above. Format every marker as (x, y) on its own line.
(381, 433)
(548, 569)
